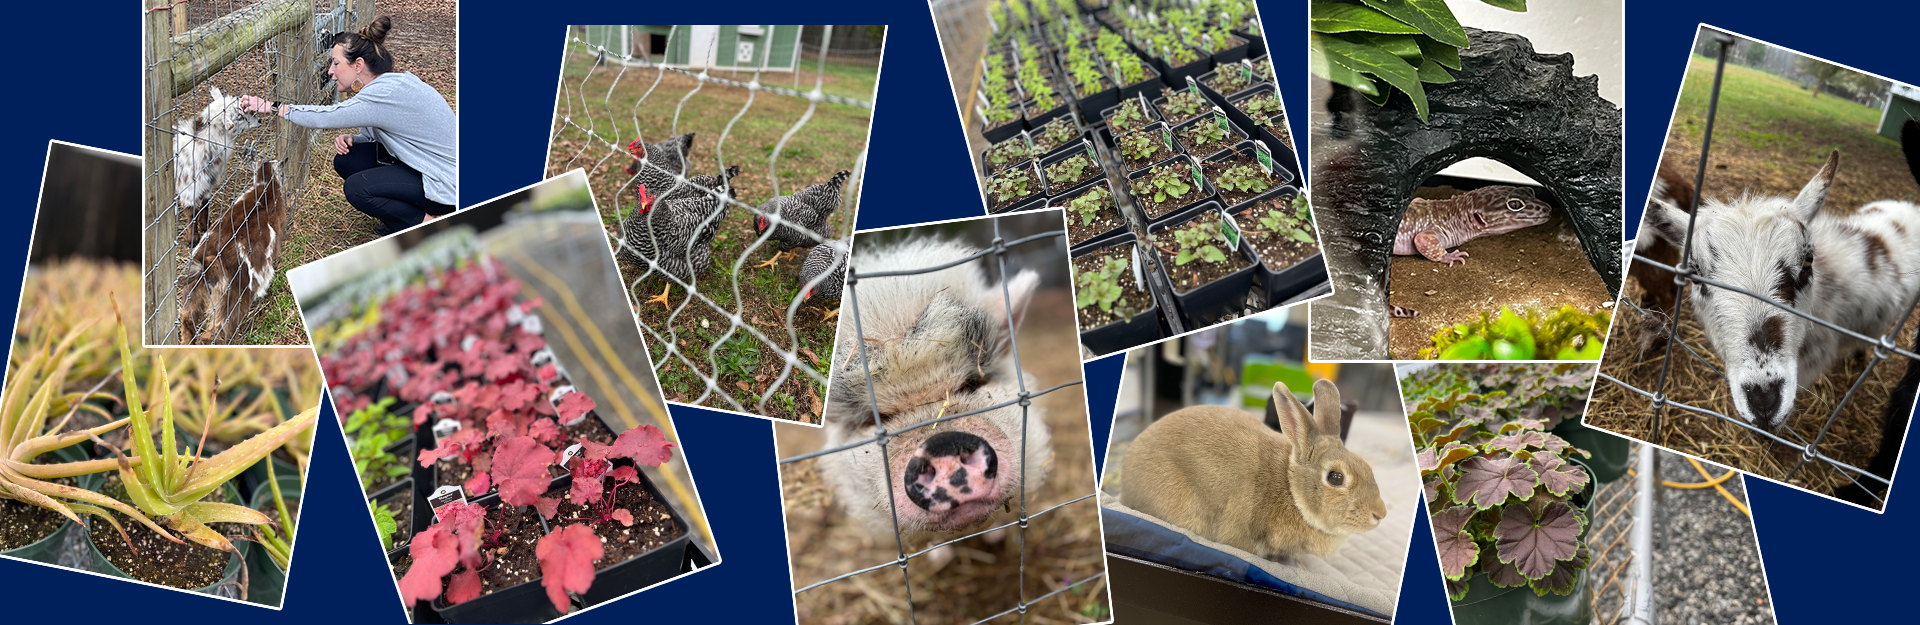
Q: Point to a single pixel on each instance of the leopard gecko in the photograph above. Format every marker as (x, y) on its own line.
(1429, 227)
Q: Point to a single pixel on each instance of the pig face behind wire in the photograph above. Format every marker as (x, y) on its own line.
(937, 344)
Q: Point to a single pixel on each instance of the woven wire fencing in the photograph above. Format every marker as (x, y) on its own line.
(1807, 450)
(734, 336)
(883, 436)
(275, 49)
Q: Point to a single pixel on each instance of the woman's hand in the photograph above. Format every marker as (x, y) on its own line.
(256, 104)
(342, 143)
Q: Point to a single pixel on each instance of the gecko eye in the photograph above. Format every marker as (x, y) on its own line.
(1514, 204)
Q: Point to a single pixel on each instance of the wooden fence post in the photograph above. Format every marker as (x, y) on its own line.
(159, 311)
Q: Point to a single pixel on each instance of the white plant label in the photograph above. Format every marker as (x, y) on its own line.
(567, 455)
(444, 428)
(1138, 279)
(444, 496)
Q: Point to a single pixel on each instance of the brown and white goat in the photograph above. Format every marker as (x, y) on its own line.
(1857, 271)
(232, 264)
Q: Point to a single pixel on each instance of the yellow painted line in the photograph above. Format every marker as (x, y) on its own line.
(680, 491)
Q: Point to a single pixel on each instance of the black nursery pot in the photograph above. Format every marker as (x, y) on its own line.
(1245, 149)
(522, 603)
(1004, 131)
(1140, 329)
(1135, 180)
(1104, 98)
(1222, 98)
(1235, 50)
(652, 567)
(1085, 147)
(1039, 190)
(401, 490)
(1149, 84)
(1256, 44)
(1104, 237)
(1204, 305)
(1175, 76)
(1278, 284)
(1106, 124)
(1038, 202)
(1235, 136)
(987, 168)
(1084, 136)
(1233, 111)
(1037, 118)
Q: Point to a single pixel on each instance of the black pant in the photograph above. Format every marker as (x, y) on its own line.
(385, 188)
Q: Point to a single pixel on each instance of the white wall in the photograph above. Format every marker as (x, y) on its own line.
(1592, 30)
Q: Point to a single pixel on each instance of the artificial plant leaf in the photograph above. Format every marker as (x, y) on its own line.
(1486, 482)
(1328, 17)
(644, 444)
(1532, 537)
(435, 553)
(1432, 17)
(1458, 552)
(1403, 46)
(1565, 573)
(1557, 475)
(1518, 6)
(566, 562)
(1367, 59)
(520, 470)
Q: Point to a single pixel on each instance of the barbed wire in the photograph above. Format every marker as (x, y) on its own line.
(883, 437)
(1884, 346)
(283, 75)
(669, 336)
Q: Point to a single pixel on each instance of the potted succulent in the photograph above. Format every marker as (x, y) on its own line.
(1278, 227)
(1507, 502)
(1208, 135)
(1115, 307)
(1147, 146)
(273, 543)
(1014, 186)
(1183, 104)
(1071, 168)
(1169, 188)
(1013, 152)
(1092, 213)
(55, 482)
(1205, 262)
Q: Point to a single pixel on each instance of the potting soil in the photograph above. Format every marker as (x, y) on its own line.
(1105, 219)
(1198, 272)
(1277, 250)
(513, 560)
(652, 526)
(23, 524)
(185, 564)
(1230, 197)
(1134, 297)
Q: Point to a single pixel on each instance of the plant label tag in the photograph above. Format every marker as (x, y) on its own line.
(1028, 138)
(1193, 86)
(444, 496)
(1230, 230)
(1090, 155)
(567, 455)
(444, 428)
(1246, 70)
(1198, 183)
(1138, 279)
(1166, 136)
(1221, 118)
(1265, 158)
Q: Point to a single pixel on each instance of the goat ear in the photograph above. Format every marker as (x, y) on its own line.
(216, 93)
(1812, 196)
(1019, 290)
(1664, 220)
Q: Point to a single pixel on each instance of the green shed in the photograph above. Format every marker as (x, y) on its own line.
(739, 48)
(1903, 103)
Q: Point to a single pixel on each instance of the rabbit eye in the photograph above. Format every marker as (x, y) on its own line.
(1335, 478)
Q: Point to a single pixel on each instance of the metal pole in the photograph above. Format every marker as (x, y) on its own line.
(1640, 604)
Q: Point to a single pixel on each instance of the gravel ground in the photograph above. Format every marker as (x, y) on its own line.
(1708, 569)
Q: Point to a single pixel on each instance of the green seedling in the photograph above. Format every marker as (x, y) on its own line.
(1200, 239)
(1011, 185)
(1171, 181)
(1182, 105)
(1071, 170)
(1088, 205)
(1058, 132)
(1242, 178)
(383, 520)
(1128, 117)
(1139, 146)
(1263, 106)
(1102, 287)
(1203, 133)
(1008, 152)
(371, 430)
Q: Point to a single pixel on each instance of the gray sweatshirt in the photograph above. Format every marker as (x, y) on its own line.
(409, 118)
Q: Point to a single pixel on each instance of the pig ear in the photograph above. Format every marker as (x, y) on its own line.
(1295, 424)
(1019, 290)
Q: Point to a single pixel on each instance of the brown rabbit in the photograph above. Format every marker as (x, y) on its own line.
(1221, 474)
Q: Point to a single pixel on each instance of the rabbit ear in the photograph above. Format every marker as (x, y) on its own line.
(1295, 423)
(1326, 406)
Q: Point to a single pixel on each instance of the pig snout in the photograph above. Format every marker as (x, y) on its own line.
(952, 469)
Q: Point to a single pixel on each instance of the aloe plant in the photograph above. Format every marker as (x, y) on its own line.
(277, 541)
(171, 484)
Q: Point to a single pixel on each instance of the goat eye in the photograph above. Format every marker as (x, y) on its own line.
(1335, 478)
(1515, 205)
(972, 384)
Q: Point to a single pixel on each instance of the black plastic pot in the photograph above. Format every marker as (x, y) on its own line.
(1133, 185)
(1149, 85)
(1235, 50)
(266, 580)
(1069, 119)
(1611, 454)
(392, 494)
(1038, 202)
(1164, 133)
(1039, 190)
(1235, 135)
(1245, 149)
(1004, 131)
(48, 549)
(1055, 188)
(987, 168)
(1256, 44)
(652, 567)
(1175, 76)
(1220, 98)
(1204, 305)
(1278, 284)
(1062, 200)
(1239, 116)
(1142, 328)
(521, 603)
(1160, 104)
(1037, 118)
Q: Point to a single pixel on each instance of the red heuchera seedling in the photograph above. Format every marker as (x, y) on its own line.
(453, 540)
(573, 405)
(462, 445)
(643, 445)
(520, 470)
(566, 562)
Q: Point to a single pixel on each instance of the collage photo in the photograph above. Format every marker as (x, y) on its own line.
(1238, 311)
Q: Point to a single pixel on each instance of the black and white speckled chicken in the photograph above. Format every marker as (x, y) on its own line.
(823, 260)
(808, 210)
(675, 233)
(664, 160)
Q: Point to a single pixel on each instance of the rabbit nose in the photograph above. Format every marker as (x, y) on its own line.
(1377, 517)
(949, 469)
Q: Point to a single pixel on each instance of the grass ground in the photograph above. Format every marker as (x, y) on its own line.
(322, 222)
(596, 117)
(1770, 135)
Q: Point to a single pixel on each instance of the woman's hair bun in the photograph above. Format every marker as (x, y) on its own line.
(376, 31)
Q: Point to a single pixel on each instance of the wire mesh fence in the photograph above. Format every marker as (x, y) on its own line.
(1807, 450)
(202, 151)
(717, 346)
(883, 436)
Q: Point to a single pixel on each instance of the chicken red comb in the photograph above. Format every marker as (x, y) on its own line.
(637, 148)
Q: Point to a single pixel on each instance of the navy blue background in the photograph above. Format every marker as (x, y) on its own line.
(1826, 560)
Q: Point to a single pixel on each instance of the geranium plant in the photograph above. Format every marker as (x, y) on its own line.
(1502, 490)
